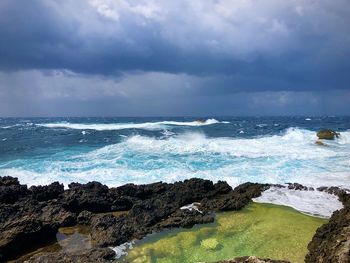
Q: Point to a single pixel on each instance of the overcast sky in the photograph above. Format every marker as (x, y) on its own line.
(159, 57)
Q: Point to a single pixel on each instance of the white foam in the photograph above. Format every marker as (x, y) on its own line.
(289, 157)
(122, 249)
(310, 202)
(192, 207)
(121, 126)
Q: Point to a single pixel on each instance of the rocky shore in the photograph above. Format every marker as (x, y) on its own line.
(31, 217)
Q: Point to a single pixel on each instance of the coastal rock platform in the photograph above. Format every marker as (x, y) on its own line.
(30, 217)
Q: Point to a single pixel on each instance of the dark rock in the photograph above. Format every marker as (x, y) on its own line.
(296, 186)
(87, 256)
(8, 180)
(84, 218)
(236, 199)
(327, 134)
(331, 243)
(11, 190)
(47, 192)
(185, 219)
(92, 197)
(22, 235)
(31, 218)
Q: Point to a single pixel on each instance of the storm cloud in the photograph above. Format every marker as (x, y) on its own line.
(118, 57)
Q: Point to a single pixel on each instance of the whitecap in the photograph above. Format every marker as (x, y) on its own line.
(289, 157)
(314, 203)
(121, 126)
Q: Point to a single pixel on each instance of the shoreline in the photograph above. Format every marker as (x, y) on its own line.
(36, 214)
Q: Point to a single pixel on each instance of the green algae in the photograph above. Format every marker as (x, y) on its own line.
(262, 230)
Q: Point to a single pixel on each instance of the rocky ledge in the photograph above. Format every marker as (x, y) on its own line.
(31, 217)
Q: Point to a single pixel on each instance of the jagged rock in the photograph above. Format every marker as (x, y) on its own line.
(33, 216)
(11, 190)
(101, 255)
(92, 197)
(331, 243)
(47, 192)
(327, 134)
(296, 186)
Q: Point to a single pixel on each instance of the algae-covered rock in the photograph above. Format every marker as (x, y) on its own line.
(210, 243)
(327, 134)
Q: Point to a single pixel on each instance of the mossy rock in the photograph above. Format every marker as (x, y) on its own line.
(327, 134)
(210, 243)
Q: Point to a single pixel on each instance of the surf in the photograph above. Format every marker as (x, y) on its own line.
(160, 125)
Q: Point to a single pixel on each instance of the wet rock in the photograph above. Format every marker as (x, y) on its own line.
(296, 186)
(341, 193)
(86, 256)
(37, 213)
(186, 219)
(30, 218)
(331, 243)
(236, 199)
(327, 134)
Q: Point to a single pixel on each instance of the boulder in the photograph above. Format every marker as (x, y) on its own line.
(327, 134)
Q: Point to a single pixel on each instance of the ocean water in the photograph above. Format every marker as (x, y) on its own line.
(116, 151)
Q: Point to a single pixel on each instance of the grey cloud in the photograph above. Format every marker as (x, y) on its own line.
(142, 57)
(148, 94)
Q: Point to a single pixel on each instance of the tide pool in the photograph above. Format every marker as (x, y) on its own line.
(263, 230)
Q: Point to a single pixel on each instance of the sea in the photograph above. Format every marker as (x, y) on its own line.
(116, 151)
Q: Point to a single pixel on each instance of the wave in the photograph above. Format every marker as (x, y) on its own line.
(309, 202)
(121, 126)
(291, 156)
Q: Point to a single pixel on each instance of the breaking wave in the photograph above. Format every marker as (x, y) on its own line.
(122, 126)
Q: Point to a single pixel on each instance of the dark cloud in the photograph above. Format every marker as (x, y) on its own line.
(102, 50)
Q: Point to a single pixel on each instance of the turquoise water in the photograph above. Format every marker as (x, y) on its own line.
(263, 230)
(116, 151)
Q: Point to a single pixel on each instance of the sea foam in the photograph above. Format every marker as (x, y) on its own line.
(310, 202)
(122, 126)
(290, 157)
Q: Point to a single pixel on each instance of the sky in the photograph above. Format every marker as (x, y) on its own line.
(174, 58)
